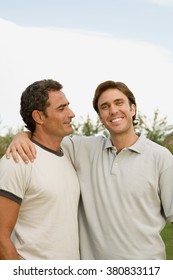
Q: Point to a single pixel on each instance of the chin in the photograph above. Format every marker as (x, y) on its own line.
(70, 131)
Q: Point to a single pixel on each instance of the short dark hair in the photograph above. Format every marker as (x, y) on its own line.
(113, 85)
(35, 97)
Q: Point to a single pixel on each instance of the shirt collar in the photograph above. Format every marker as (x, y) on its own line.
(137, 147)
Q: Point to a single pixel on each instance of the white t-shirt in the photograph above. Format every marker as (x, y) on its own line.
(47, 224)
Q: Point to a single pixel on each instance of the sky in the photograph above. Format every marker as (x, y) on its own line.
(83, 43)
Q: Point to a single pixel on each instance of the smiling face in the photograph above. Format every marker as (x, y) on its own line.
(115, 112)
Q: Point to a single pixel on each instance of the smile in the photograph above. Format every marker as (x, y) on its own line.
(117, 120)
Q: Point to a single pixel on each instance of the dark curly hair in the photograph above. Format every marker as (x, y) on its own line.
(35, 97)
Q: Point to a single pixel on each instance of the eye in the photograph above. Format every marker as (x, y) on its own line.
(104, 107)
(119, 103)
(61, 109)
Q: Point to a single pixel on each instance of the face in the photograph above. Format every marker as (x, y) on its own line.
(57, 121)
(115, 111)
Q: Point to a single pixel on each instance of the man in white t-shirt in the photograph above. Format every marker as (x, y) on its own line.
(39, 201)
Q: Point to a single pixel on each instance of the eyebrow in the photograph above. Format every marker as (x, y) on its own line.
(115, 100)
(63, 105)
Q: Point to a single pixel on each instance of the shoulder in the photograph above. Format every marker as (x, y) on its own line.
(84, 142)
(10, 162)
(83, 145)
(84, 139)
(10, 166)
(152, 150)
(159, 153)
(158, 148)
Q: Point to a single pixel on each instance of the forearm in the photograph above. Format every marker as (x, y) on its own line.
(8, 250)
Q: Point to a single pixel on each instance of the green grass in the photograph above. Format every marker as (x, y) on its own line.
(167, 235)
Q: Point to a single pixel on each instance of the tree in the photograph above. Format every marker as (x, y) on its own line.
(88, 127)
(156, 130)
(168, 142)
(6, 140)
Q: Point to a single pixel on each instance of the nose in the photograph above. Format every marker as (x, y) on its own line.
(113, 109)
(71, 114)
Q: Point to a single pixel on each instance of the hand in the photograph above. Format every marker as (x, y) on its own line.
(21, 145)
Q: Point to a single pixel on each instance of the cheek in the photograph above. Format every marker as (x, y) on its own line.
(103, 114)
(101, 117)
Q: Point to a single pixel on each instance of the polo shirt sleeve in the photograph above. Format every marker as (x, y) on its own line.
(70, 146)
(166, 190)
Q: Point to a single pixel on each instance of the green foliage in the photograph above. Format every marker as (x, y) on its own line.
(167, 234)
(168, 142)
(6, 140)
(156, 130)
(88, 128)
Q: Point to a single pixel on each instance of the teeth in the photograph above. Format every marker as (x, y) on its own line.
(116, 120)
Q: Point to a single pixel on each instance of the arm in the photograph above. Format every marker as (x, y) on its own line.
(8, 216)
(22, 144)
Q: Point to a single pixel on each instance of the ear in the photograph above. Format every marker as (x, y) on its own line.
(133, 109)
(38, 117)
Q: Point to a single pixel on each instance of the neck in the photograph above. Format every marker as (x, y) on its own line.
(123, 141)
(48, 142)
